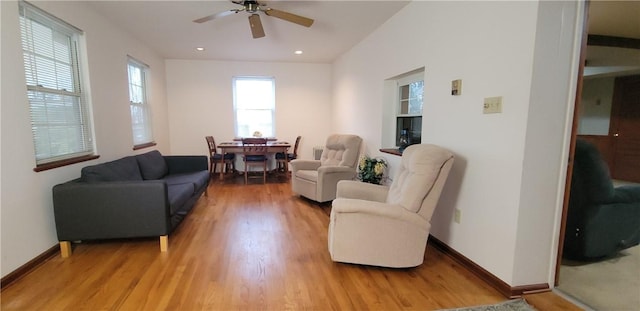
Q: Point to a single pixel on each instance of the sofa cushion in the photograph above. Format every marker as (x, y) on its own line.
(199, 179)
(178, 195)
(124, 169)
(152, 165)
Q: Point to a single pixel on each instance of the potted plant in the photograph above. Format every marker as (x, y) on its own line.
(371, 170)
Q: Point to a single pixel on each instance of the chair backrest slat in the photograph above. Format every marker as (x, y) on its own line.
(211, 143)
(295, 147)
(254, 146)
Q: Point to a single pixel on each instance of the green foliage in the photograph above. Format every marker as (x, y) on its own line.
(371, 170)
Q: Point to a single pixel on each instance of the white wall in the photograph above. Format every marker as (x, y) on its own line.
(595, 106)
(200, 100)
(27, 224)
(498, 178)
(549, 125)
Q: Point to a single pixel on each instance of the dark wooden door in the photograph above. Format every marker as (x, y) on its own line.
(625, 129)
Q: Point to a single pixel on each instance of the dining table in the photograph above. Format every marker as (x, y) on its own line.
(235, 146)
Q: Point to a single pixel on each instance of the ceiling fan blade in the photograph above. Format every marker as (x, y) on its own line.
(256, 26)
(217, 15)
(290, 17)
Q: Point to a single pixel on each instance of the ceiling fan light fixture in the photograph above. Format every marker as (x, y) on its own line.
(200, 49)
(298, 52)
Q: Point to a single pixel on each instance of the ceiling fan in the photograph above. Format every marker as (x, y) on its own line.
(253, 7)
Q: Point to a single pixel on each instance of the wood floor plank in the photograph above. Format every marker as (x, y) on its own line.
(245, 247)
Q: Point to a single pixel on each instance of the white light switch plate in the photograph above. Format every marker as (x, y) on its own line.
(492, 105)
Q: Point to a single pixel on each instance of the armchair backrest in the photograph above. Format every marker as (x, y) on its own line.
(420, 178)
(591, 180)
(341, 150)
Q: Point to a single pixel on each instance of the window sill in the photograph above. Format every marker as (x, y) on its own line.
(145, 145)
(61, 163)
(393, 151)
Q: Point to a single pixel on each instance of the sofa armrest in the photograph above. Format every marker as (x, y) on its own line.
(186, 164)
(103, 210)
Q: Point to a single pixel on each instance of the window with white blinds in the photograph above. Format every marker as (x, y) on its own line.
(58, 108)
(140, 109)
(254, 103)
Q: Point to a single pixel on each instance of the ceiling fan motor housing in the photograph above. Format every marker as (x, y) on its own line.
(251, 6)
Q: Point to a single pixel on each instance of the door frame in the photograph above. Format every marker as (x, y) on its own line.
(573, 135)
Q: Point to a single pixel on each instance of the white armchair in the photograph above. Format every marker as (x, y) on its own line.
(317, 179)
(389, 226)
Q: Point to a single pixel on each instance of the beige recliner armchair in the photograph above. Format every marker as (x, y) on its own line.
(389, 226)
(317, 179)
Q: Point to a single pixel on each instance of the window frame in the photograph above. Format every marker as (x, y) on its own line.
(59, 110)
(143, 128)
(270, 106)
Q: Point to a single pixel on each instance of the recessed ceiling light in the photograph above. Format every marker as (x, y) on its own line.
(298, 52)
(199, 49)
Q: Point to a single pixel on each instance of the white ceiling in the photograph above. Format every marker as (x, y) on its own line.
(168, 28)
(618, 19)
(615, 18)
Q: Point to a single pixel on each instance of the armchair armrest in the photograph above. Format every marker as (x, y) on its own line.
(626, 194)
(103, 210)
(328, 176)
(351, 189)
(300, 164)
(186, 164)
(330, 169)
(377, 209)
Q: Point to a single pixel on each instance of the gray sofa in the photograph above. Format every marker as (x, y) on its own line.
(145, 195)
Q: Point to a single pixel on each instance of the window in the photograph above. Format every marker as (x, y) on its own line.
(59, 113)
(140, 109)
(402, 110)
(409, 116)
(254, 106)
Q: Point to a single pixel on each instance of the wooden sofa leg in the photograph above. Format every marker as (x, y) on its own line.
(164, 243)
(65, 249)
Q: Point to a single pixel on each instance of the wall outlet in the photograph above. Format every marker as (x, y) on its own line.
(457, 215)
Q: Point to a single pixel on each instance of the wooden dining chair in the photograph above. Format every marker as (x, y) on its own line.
(281, 157)
(254, 154)
(214, 157)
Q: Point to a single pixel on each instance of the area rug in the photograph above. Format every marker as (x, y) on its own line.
(510, 305)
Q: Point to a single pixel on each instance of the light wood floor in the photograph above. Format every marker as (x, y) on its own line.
(246, 247)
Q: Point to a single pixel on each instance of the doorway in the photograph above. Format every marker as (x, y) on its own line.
(625, 129)
(608, 115)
